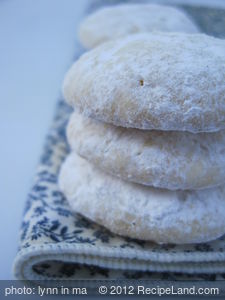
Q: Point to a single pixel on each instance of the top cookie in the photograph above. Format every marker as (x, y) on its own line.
(118, 21)
(163, 81)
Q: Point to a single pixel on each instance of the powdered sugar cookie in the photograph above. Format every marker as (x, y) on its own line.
(172, 160)
(164, 81)
(142, 212)
(120, 20)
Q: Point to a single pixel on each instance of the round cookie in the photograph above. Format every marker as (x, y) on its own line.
(118, 21)
(171, 160)
(163, 81)
(142, 212)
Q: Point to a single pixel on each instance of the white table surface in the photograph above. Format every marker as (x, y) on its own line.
(37, 44)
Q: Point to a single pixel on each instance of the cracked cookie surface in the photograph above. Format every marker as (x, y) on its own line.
(142, 212)
(162, 81)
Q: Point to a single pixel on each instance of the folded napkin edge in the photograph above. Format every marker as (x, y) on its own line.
(124, 259)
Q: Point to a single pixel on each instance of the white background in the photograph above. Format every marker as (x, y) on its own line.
(37, 45)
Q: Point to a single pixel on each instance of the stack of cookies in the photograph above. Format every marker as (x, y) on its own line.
(148, 136)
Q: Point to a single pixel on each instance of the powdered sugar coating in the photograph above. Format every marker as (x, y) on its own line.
(164, 81)
(172, 160)
(117, 21)
(142, 212)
